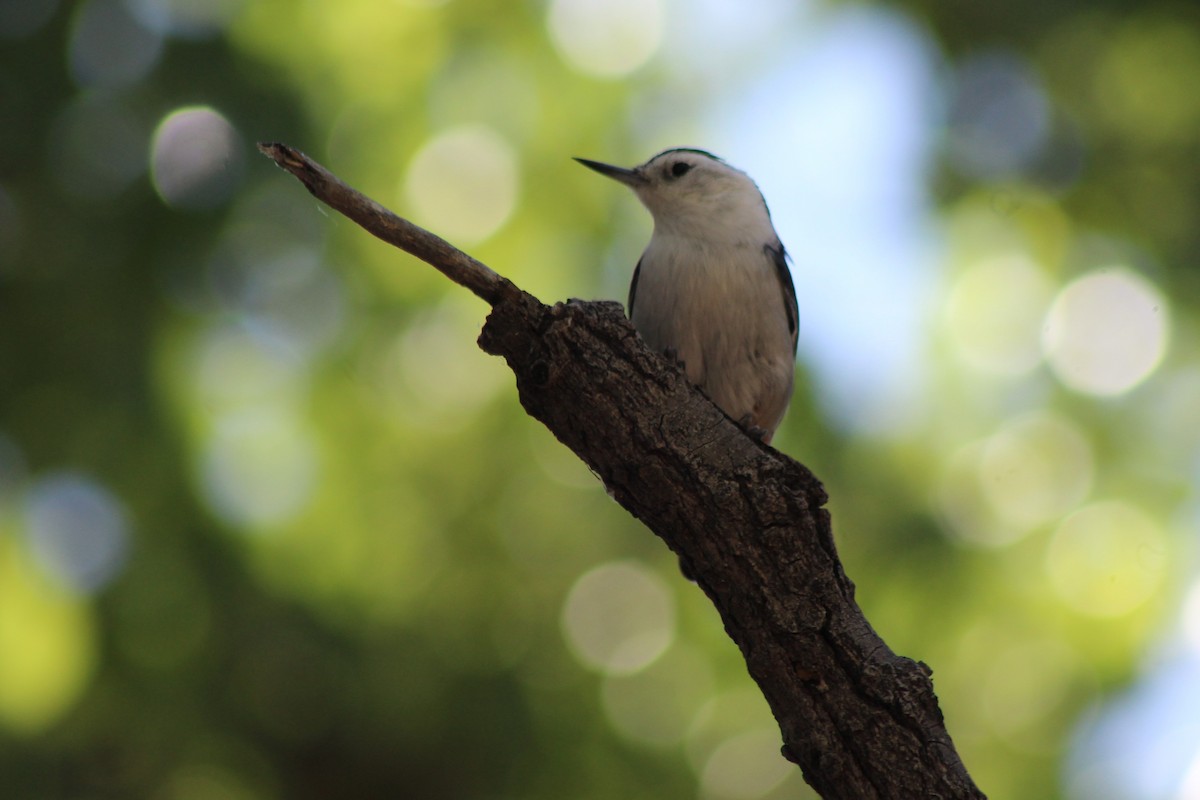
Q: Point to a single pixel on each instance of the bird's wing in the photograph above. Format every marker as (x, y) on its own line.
(633, 286)
(779, 256)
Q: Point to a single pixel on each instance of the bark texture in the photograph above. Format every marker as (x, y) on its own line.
(747, 522)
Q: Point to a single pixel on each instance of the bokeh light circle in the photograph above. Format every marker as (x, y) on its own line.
(1191, 617)
(439, 367)
(1106, 332)
(195, 159)
(185, 18)
(999, 116)
(100, 147)
(1035, 469)
(1143, 81)
(49, 646)
(259, 467)
(965, 513)
(1106, 559)
(606, 38)
(657, 705)
(21, 18)
(745, 766)
(109, 47)
(619, 617)
(463, 183)
(77, 531)
(994, 314)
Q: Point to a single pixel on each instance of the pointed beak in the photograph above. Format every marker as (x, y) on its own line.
(630, 177)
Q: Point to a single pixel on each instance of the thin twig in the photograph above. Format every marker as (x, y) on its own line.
(456, 265)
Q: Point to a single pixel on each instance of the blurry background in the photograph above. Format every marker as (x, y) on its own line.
(271, 526)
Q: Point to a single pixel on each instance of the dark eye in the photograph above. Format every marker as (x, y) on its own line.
(680, 168)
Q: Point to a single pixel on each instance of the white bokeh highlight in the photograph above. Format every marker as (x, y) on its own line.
(195, 159)
(618, 618)
(745, 766)
(606, 38)
(463, 183)
(1106, 332)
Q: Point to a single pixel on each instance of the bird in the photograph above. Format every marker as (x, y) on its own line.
(713, 287)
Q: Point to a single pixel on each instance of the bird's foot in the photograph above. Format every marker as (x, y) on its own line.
(672, 355)
(747, 424)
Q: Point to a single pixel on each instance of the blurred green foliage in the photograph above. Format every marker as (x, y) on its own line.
(271, 526)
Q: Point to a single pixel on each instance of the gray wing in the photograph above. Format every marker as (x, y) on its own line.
(779, 256)
(633, 286)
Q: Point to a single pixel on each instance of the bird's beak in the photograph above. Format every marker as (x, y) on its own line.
(630, 177)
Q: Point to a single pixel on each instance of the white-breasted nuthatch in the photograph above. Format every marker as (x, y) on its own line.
(713, 285)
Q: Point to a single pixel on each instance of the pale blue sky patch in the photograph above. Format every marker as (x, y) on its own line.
(839, 136)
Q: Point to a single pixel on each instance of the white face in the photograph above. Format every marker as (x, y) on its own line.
(689, 192)
(693, 194)
(679, 178)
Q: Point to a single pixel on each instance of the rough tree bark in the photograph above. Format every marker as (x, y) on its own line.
(747, 522)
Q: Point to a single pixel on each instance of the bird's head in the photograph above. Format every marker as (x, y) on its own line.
(693, 193)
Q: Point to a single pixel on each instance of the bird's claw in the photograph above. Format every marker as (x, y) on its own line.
(747, 424)
(672, 355)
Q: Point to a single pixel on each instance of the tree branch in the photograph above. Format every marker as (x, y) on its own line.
(746, 521)
(397, 231)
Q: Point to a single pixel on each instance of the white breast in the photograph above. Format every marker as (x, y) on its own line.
(720, 306)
